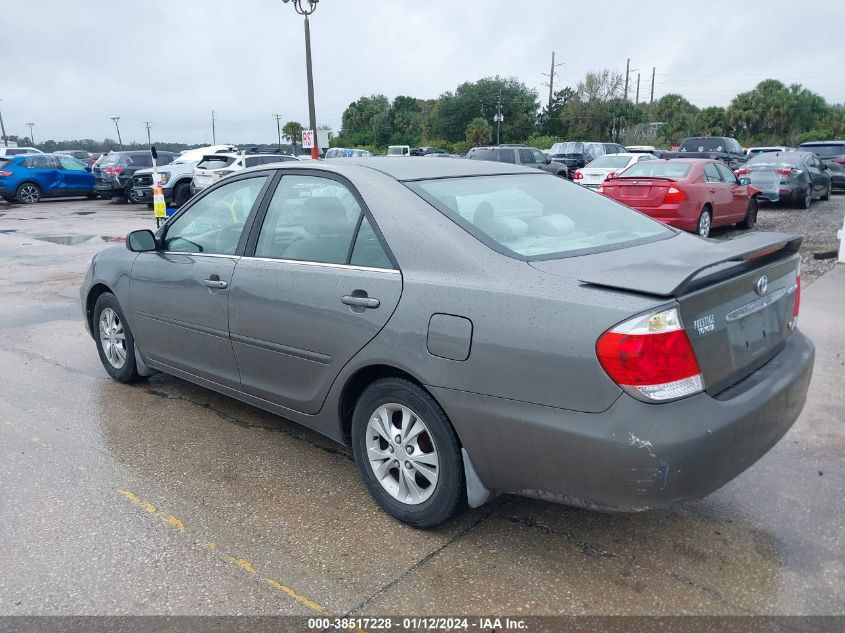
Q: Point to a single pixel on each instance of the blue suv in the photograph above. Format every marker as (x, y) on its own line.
(31, 177)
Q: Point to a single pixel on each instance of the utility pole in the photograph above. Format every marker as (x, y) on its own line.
(31, 133)
(498, 118)
(627, 72)
(637, 100)
(149, 140)
(551, 76)
(3, 130)
(306, 8)
(279, 128)
(653, 70)
(213, 130)
(117, 127)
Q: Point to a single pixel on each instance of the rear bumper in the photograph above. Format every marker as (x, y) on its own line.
(674, 215)
(634, 456)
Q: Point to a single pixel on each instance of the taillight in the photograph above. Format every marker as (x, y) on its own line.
(5, 173)
(674, 195)
(741, 171)
(797, 306)
(113, 171)
(577, 175)
(785, 172)
(651, 357)
(841, 161)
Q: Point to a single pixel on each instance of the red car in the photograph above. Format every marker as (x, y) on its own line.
(690, 194)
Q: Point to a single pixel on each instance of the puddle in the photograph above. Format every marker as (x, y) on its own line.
(83, 212)
(75, 240)
(6, 231)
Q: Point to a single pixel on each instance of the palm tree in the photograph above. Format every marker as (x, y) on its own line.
(292, 129)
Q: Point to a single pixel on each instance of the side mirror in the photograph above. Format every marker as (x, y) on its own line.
(87, 167)
(745, 180)
(548, 161)
(142, 241)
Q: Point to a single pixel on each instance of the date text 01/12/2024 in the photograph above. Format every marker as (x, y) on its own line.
(413, 623)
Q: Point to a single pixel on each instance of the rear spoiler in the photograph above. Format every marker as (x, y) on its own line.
(671, 277)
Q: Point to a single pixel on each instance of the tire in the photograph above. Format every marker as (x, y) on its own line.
(131, 197)
(750, 215)
(9, 198)
(403, 402)
(120, 367)
(705, 222)
(28, 193)
(92, 196)
(829, 192)
(181, 194)
(807, 200)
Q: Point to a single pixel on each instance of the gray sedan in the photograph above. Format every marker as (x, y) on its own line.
(470, 328)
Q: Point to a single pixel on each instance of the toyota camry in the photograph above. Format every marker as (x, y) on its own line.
(470, 328)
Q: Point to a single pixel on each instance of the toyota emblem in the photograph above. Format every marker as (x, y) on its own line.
(762, 285)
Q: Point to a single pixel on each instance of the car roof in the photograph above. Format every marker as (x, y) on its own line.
(407, 170)
(816, 143)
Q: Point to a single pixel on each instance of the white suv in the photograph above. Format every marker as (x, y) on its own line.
(17, 151)
(214, 167)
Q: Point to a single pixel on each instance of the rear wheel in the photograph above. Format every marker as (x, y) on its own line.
(750, 215)
(807, 200)
(705, 222)
(407, 453)
(28, 193)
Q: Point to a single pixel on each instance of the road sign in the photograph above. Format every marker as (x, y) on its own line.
(307, 139)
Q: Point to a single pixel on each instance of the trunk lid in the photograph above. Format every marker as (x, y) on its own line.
(639, 192)
(736, 298)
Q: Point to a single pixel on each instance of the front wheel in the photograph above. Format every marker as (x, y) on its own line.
(407, 453)
(130, 195)
(705, 221)
(829, 191)
(750, 215)
(181, 194)
(28, 193)
(115, 342)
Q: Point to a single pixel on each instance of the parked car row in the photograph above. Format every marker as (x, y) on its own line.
(519, 155)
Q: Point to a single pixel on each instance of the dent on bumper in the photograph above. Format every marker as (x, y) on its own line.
(634, 456)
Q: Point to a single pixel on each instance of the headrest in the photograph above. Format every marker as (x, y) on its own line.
(324, 215)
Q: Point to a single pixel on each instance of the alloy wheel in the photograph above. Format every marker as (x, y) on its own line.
(113, 338)
(402, 454)
(704, 224)
(30, 194)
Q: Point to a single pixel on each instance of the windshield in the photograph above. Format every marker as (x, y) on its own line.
(536, 215)
(834, 149)
(657, 169)
(704, 145)
(610, 161)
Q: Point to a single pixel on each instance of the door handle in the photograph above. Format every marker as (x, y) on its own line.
(360, 302)
(215, 282)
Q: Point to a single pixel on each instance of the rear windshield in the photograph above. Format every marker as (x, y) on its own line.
(762, 150)
(774, 160)
(567, 148)
(215, 162)
(613, 161)
(834, 149)
(704, 145)
(135, 160)
(537, 216)
(657, 169)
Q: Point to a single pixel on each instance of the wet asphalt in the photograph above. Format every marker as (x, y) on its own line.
(166, 498)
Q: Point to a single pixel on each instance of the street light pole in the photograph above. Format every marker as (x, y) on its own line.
(303, 10)
(148, 124)
(31, 133)
(117, 127)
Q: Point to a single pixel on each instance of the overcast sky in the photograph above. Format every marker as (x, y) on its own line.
(68, 65)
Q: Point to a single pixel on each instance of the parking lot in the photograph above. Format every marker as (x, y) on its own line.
(166, 498)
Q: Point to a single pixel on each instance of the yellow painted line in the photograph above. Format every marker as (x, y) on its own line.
(308, 602)
(149, 507)
(210, 545)
(243, 564)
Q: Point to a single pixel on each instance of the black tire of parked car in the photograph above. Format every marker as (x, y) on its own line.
(28, 193)
(699, 229)
(829, 191)
(92, 196)
(806, 200)
(129, 372)
(750, 215)
(131, 197)
(181, 193)
(450, 490)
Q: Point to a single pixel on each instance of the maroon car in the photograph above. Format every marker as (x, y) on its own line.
(690, 194)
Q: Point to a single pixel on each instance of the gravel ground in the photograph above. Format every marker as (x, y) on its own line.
(818, 225)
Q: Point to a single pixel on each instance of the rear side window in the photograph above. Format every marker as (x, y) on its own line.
(4, 161)
(537, 216)
(507, 155)
(368, 250)
(483, 154)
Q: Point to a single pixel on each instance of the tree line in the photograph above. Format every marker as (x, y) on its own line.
(596, 109)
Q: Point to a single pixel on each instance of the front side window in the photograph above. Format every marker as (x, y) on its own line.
(214, 224)
(537, 216)
(711, 174)
(71, 164)
(727, 175)
(310, 218)
(526, 157)
(539, 157)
